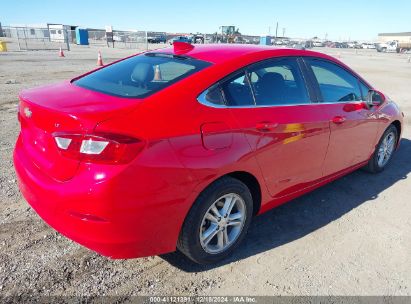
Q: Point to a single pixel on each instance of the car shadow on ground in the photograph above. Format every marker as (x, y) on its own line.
(310, 212)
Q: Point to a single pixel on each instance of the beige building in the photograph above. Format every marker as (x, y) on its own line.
(401, 37)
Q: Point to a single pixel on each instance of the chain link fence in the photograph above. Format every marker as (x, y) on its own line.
(97, 38)
(28, 38)
(120, 39)
(57, 36)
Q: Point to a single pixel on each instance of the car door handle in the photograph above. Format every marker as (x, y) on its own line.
(339, 120)
(266, 126)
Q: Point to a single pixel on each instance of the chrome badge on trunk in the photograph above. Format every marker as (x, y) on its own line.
(27, 112)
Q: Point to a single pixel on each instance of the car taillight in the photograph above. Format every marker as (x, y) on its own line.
(98, 148)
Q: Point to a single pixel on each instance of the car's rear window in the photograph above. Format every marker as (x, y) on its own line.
(141, 75)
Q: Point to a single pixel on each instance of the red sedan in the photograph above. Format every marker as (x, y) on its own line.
(180, 148)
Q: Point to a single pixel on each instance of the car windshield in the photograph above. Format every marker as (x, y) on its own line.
(141, 76)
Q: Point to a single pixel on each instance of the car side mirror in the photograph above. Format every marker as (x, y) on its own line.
(375, 98)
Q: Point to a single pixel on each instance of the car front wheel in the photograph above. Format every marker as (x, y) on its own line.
(217, 222)
(384, 150)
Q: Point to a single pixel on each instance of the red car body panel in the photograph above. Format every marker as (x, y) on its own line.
(137, 209)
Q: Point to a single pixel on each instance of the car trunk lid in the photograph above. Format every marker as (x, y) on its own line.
(62, 107)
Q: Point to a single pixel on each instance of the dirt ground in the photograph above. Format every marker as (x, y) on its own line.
(351, 237)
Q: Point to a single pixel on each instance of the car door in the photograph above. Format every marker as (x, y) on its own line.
(353, 124)
(287, 132)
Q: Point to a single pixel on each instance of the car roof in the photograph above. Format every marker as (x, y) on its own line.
(218, 53)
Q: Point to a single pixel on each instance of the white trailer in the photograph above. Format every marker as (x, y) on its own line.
(58, 32)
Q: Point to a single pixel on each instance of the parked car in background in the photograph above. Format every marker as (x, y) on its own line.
(119, 38)
(318, 44)
(390, 46)
(368, 45)
(156, 39)
(344, 45)
(208, 39)
(354, 45)
(180, 148)
(286, 41)
(247, 40)
(297, 45)
(197, 38)
(181, 39)
(309, 44)
(393, 46)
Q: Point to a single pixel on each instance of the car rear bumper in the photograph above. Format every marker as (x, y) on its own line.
(111, 217)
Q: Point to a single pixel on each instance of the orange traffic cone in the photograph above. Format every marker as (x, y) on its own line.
(99, 60)
(61, 54)
(157, 74)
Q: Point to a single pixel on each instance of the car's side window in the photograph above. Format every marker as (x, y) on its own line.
(336, 84)
(237, 91)
(278, 82)
(214, 95)
(273, 82)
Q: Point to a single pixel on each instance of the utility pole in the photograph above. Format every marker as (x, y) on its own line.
(276, 30)
(283, 31)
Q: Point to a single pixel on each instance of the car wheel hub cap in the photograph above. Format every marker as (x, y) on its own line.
(222, 223)
(386, 148)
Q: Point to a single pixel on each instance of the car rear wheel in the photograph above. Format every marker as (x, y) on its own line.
(384, 150)
(217, 222)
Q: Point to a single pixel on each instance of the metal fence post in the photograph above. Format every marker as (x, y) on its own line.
(66, 37)
(18, 38)
(25, 37)
(146, 41)
(44, 41)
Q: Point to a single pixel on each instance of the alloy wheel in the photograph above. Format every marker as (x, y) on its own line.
(222, 223)
(386, 149)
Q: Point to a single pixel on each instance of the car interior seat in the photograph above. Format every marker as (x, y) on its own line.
(143, 74)
(270, 89)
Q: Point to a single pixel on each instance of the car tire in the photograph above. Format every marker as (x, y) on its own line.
(205, 236)
(375, 165)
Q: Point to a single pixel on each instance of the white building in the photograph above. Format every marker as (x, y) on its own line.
(400, 37)
(51, 31)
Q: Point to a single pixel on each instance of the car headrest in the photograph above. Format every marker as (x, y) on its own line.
(273, 80)
(142, 73)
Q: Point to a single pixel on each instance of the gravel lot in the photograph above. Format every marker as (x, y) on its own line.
(351, 237)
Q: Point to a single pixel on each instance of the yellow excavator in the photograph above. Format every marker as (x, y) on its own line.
(230, 34)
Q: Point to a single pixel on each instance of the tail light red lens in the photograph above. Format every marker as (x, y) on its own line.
(98, 148)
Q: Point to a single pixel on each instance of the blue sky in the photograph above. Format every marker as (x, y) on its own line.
(344, 19)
